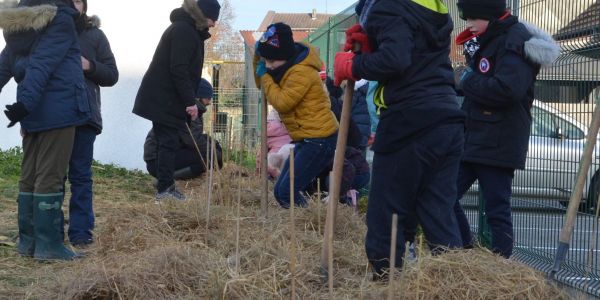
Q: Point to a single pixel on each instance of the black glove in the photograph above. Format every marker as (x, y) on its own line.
(15, 113)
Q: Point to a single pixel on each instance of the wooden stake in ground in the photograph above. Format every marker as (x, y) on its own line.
(336, 180)
(393, 256)
(319, 204)
(237, 226)
(567, 231)
(210, 176)
(292, 225)
(329, 228)
(264, 205)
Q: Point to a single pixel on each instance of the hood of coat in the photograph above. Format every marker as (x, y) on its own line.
(26, 18)
(541, 48)
(94, 21)
(191, 7)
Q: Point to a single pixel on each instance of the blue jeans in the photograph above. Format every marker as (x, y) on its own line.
(312, 156)
(417, 182)
(495, 185)
(81, 212)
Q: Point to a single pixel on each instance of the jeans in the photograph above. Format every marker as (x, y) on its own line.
(167, 143)
(495, 185)
(312, 156)
(417, 182)
(81, 212)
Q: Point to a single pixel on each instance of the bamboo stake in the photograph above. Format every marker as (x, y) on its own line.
(264, 205)
(292, 225)
(229, 132)
(237, 229)
(210, 178)
(319, 205)
(195, 144)
(569, 225)
(329, 228)
(393, 256)
(336, 180)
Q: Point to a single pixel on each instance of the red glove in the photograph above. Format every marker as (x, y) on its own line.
(342, 67)
(357, 35)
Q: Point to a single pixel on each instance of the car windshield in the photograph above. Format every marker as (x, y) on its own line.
(547, 124)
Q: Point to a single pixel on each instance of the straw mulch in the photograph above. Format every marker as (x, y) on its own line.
(169, 251)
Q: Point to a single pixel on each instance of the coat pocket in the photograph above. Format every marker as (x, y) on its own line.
(484, 127)
(82, 97)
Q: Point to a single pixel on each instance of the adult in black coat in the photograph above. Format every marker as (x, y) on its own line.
(505, 57)
(99, 69)
(405, 47)
(167, 92)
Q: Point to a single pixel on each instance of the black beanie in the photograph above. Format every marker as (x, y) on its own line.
(277, 42)
(210, 8)
(481, 9)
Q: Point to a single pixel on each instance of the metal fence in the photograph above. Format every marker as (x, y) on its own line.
(566, 95)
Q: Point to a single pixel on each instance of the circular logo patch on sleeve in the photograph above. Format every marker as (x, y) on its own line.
(484, 65)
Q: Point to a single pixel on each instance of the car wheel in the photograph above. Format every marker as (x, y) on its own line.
(593, 193)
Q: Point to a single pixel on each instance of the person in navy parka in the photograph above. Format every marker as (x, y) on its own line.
(99, 69)
(405, 47)
(504, 57)
(42, 54)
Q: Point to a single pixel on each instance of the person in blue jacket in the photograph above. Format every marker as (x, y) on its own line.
(405, 46)
(42, 54)
(504, 57)
(99, 69)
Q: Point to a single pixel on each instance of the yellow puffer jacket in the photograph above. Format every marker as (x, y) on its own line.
(301, 100)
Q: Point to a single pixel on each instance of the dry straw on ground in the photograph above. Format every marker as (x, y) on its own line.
(164, 252)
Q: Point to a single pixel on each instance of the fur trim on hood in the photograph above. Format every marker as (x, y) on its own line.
(191, 7)
(94, 21)
(541, 48)
(19, 19)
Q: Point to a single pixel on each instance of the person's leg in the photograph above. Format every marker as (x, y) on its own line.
(311, 156)
(151, 166)
(167, 142)
(361, 180)
(440, 152)
(81, 211)
(496, 188)
(466, 178)
(26, 243)
(188, 164)
(52, 160)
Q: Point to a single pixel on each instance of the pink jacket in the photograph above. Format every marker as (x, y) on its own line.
(277, 135)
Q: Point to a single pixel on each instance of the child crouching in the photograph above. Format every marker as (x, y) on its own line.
(288, 73)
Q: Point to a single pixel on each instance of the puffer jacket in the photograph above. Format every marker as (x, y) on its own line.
(300, 98)
(360, 111)
(103, 67)
(499, 92)
(43, 55)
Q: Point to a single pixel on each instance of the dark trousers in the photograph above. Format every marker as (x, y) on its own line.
(184, 158)
(81, 212)
(167, 143)
(417, 182)
(311, 157)
(495, 185)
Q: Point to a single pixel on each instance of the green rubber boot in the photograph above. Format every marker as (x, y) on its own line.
(26, 243)
(48, 222)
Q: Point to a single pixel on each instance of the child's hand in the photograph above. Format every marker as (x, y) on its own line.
(261, 69)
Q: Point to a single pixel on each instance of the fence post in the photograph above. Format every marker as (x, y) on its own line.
(484, 235)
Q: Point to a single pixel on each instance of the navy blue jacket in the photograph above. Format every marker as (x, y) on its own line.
(46, 64)
(360, 114)
(169, 85)
(499, 93)
(103, 67)
(410, 60)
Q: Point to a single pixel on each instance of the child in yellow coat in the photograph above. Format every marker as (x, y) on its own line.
(288, 73)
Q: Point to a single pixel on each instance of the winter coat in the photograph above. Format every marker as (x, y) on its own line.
(103, 67)
(354, 138)
(499, 93)
(411, 62)
(169, 85)
(360, 112)
(43, 56)
(300, 98)
(277, 136)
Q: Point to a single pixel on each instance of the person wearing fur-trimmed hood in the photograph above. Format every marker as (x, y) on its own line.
(99, 69)
(167, 93)
(505, 56)
(42, 54)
